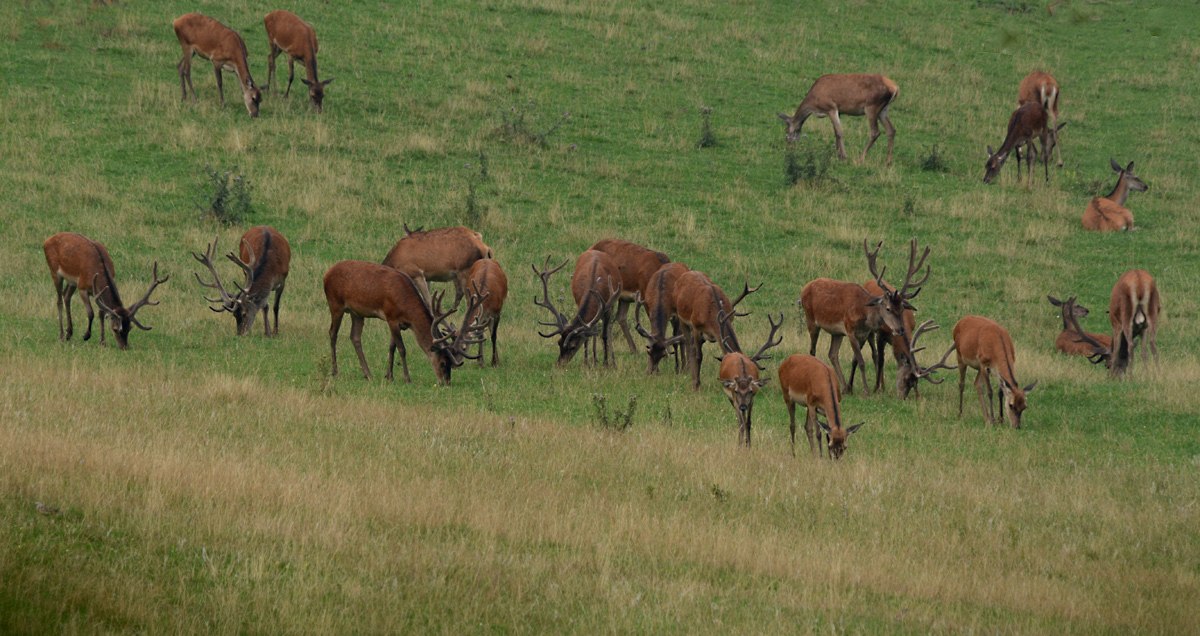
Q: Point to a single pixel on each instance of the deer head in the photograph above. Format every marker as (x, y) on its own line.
(913, 373)
(575, 332)
(658, 347)
(125, 318)
(837, 437)
(316, 91)
(1071, 313)
(241, 305)
(895, 300)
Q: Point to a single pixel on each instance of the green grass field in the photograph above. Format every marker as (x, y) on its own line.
(210, 483)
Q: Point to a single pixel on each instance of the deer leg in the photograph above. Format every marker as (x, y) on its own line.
(356, 327)
(335, 324)
(271, 65)
(677, 348)
(185, 74)
(495, 326)
(87, 307)
(220, 87)
(814, 332)
(1046, 154)
(278, 295)
(981, 381)
(891, 132)
(403, 355)
(609, 349)
(622, 311)
(58, 298)
(697, 356)
(291, 74)
(877, 347)
(837, 132)
(749, 415)
(856, 349)
(791, 406)
(962, 384)
(835, 343)
(873, 122)
(854, 362)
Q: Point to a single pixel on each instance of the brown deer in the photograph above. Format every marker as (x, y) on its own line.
(1133, 311)
(659, 302)
(221, 45)
(486, 280)
(1027, 123)
(706, 315)
(1073, 340)
(77, 262)
(636, 264)
(1041, 87)
(984, 345)
(287, 33)
(853, 94)
(908, 372)
(1107, 214)
(846, 310)
(443, 254)
(596, 286)
(806, 380)
(264, 255)
(739, 378)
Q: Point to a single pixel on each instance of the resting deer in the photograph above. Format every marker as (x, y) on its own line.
(1041, 87)
(1073, 340)
(77, 262)
(201, 35)
(706, 315)
(486, 280)
(366, 290)
(806, 380)
(637, 265)
(984, 345)
(440, 255)
(1107, 214)
(1133, 312)
(287, 33)
(852, 94)
(1026, 124)
(659, 302)
(264, 256)
(596, 286)
(739, 378)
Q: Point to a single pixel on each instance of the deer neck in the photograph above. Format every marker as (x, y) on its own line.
(310, 68)
(1120, 192)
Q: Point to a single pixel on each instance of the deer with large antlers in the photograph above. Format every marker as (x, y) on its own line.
(1041, 87)
(807, 381)
(1027, 123)
(637, 265)
(596, 287)
(443, 254)
(366, 290)
(908, 372)
(1073, 340)
(659, 303)
(1107, 214)
(486, 280)
(984, 345)
(1133, 311)
(287, 33)
(851, 94)
(849, 311)
(264, 256)
(201, 35)
(739, 378)
(79, 263)
(706, 315)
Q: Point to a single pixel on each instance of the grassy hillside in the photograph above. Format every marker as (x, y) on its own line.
(214, 483)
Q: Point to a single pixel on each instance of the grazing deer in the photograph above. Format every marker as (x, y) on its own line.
(441, 255)
(846, 310)
(636, 264)
(286, 32)
(706, 315)
(806, 380)
(1041, 87)
(739, 378)
(908, 372)
(1026, 124)
(984, 345)
(596, 286)
(1106, 214)
(264, 256)
(221, 45)
(1133, 312)
(852, 94)
(486, 280)
(659, 302)
(1073, 340)
(366, 290)
(84, 264)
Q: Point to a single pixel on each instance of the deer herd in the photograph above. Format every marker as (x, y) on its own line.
(684, 308)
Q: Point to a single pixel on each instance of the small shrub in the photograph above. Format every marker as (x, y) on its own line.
(808, 165)
(524, 124)
(618, 421)
(707, 138)
(225, 195)
(718, 494)
(934, 160)
(474, 209)
(910, 207)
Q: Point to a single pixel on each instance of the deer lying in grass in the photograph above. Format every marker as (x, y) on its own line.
(806, 380)
(201, 35)
(596, 287)
(739, 378)
(852, 94)
(1042, 88)
(659, 302)
(984, 345)
(1133, 312)
(264, 256)
(287, 33)
(444, 254)
(77, 262)
(486, 280)
(1107, 214)
(1071, 340)
(1027, 123)
(637, 265)
(706, 315)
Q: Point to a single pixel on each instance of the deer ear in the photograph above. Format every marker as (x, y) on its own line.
(729, 384)
(1054, 301)
(989, 151)
(327, 82)
(1115, 166)
(784, 117)
(823, 425)
(1060, 126)
(1129, 168)
(853, 429)
(305, 82)
(763, 382)
(875, 301)
(1029, 389)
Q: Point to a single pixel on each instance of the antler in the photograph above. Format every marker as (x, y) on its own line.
(746, 292)
(468, 335)
(133, 309)
(96, 296)
(924, 372)
(761, 355)
(871, 264)
(908, 282)
(639, 304)
(227, 301)
(605, 306)
(1100, 353)
(247, 266)
(560, 321)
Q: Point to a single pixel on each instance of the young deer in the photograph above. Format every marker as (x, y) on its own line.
(264, 256)
(853, 94)
(1041, 87)
(287, 33)
(77, 262)
(596, 287)
(637, 265)
(201, 35)
(1073, 340)
(1106, 214)
(984, 345)
(440, 255)
(739, 378)
(706, 315)
(366, 290)
(659, 302)
(486, 280)
(1027, 123)
(806, 380)
(1133, 312)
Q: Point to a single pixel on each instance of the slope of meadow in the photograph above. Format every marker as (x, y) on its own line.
(210, 483)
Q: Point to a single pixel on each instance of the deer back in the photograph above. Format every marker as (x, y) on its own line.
(1039, 87)
(594, 271)
(437, 254)
(807, 380)
(217, 42)
(849, 94)
(659, 296)
(836, 306)
(82, 261)
(636, 264)
(269, 256)
(292, 34)
(701, 303)
(377, 291)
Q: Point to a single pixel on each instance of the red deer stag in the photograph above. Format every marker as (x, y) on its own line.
(659, 302)
(984, 345)
(221, 45)
(1071, 340)
(84, 264)
(637, 265)
(596, 286)
(846, 310)
(264, 256)
(706, 315)
(287, 33)
(1133, 312)
(810, 382)
(1106, 214)
(1026, 124)
(1040, 87)
(908, 372)
(739, 378)
(444, 254)
(366, 290)
(486, 280)
(853, 94)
